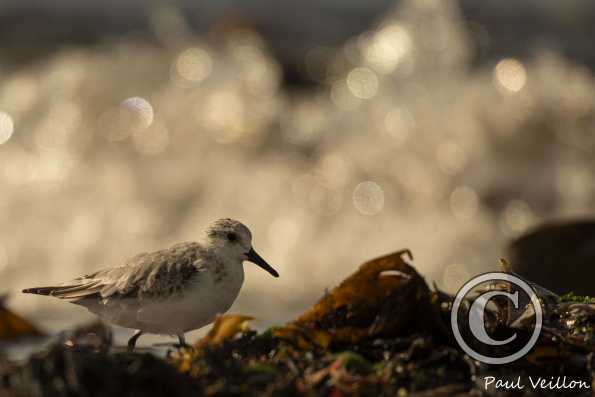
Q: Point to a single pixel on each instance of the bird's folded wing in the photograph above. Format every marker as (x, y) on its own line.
(154, 274)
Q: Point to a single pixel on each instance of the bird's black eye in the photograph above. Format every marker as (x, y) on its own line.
(232, 237)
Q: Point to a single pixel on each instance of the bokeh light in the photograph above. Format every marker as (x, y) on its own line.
(516, 218)
(464, 203)
(387, 47)
(368, 198)
(6, 127)
(141, 108)
(362, 82)
(510, 74)
(194, 64)
(404, 143)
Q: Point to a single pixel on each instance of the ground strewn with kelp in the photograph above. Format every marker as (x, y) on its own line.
(381, 332)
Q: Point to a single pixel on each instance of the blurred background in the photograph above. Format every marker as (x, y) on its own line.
(338, 131)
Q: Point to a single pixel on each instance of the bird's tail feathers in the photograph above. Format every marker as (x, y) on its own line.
(67, 291)
(40, 290)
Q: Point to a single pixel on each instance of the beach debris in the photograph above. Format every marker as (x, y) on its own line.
(225, 327)
(14, 326)
(381, 332)
(65, 371)
(371, 335)
(386, 297)
(95, 336)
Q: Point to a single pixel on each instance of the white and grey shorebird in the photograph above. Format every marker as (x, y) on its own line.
(170, 291)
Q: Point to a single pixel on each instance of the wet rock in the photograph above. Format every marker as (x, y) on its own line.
(6, 368)
(63, 371)
(558, 256)
(381, 332)
(95, 336)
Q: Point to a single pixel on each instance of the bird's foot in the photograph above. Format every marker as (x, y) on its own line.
(133, 339)
(182, 342)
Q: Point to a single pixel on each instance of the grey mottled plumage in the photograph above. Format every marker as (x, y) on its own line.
(169, 291)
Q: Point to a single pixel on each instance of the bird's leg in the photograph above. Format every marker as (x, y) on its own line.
(133, 339)
(182, 340)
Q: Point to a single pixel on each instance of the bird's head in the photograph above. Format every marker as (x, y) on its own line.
(235, 239)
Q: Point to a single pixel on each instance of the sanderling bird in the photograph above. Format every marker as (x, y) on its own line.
(170, 291)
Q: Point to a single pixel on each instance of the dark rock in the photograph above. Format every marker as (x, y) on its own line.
(95, 336)
(63, 371)
(558, 256)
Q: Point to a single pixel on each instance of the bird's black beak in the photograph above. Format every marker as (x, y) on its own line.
(253, 257)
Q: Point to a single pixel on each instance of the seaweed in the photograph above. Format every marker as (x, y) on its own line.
(381, 332)
(14, 326)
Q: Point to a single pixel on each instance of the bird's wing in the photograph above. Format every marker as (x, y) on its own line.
(149, 274)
